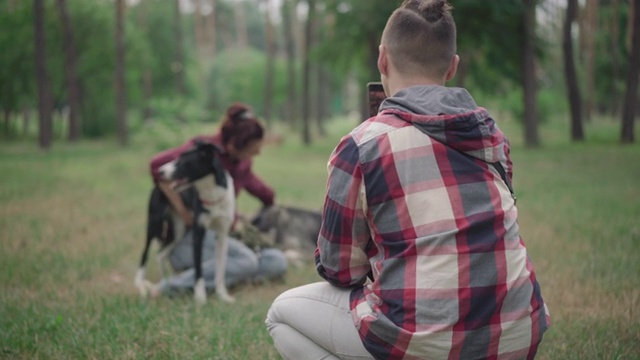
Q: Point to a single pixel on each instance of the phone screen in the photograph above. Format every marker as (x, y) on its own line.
(376, 96)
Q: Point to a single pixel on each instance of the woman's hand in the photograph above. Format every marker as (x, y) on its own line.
(186, 216)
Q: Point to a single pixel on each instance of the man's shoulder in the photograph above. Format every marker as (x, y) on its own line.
(377, 126)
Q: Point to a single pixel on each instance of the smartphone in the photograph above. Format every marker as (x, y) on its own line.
(376, 96)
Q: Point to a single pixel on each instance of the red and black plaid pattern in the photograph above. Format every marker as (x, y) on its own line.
(413, 203)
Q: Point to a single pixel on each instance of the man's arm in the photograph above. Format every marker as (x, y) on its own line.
(341, 256)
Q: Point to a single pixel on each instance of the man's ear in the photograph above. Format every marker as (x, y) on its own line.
(383, 60)
(453, 68)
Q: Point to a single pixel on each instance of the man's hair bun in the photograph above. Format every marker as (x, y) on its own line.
(431, 11)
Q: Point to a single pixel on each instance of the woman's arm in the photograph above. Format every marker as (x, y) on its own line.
(258, 188)
(174, 198)
(176, 202)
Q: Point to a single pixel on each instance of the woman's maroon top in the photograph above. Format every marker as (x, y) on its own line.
(240, 170)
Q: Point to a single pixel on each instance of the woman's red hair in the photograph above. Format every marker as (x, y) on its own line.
(240, 126)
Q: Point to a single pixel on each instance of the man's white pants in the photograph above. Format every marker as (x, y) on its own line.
(314, 322)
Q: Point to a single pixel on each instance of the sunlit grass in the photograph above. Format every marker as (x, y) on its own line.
(72, 228)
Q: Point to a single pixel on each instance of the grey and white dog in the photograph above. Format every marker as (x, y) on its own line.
(294, 230)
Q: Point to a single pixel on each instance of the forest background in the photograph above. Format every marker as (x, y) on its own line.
(90, 69)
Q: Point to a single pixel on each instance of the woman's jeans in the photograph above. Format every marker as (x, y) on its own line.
(243, 264)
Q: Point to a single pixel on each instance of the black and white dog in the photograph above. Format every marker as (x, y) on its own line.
(207, 188)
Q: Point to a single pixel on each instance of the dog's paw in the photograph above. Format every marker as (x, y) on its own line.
(143, 290)
(147, 289)
(224, 296)
(200, 293)
(139, 282)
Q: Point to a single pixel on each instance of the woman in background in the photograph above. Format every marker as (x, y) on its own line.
(240, 137)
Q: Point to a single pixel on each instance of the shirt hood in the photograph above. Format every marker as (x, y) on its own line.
(450, 116)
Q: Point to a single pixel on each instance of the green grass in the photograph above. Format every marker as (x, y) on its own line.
(72, 227)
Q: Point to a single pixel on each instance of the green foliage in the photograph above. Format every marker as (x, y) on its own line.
(17, 63)
(490, 34)
(550, 103)
(176, 110)
(489, 38)
(348, 41)
(610, 79)
(95, 70)
(158, 32)
(227, 26)
(239, 75)
(94, 26)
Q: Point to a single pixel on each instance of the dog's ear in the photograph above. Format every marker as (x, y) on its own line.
(218, 148)
(219, 172)
(204, 150)
(199, 143)
(211, 152)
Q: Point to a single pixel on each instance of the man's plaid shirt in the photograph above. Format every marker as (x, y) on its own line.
(414, 205)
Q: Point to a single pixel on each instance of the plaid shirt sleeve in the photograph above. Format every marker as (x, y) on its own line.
(341, 255)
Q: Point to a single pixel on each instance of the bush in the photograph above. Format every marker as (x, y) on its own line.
(239, 75)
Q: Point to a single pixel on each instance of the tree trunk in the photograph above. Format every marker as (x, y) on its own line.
(45, 103)
(147, 93)
(629, 38)
(7, 122)
(147, 75)
(209, 36)
(227, 34)
(306, 74)
(323, 22)
(242, 37)
(73, 92)
(298, 30)
(270, 66)
(121, 106)
(178, 65)
(615, 56)
(322, 98)
(26, 120)
(290, 112)
(591, 27)
(199, 28)
(573, 90)
(529, 76)
(633, 70)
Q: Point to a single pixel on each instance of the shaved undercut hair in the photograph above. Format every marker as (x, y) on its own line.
(421, 37)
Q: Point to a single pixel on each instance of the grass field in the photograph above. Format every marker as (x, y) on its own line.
(72, 227)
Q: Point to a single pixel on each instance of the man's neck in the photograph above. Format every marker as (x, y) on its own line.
(400, 83)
